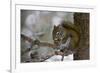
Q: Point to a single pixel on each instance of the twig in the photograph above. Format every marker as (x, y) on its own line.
(40, 43)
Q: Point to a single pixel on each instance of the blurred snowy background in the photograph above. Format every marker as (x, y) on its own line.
(39, 25)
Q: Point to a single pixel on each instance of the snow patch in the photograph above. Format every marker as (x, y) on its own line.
(58, 58)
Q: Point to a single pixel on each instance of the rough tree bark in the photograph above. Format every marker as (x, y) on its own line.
(82, 20)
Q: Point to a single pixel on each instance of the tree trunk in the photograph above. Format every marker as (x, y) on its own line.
(82, 20)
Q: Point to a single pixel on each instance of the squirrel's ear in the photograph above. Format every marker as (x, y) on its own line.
(55, 26)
